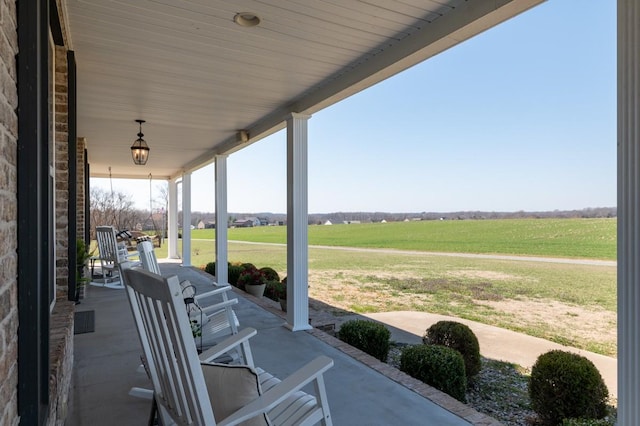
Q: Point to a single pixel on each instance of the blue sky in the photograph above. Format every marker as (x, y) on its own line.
(521, 117)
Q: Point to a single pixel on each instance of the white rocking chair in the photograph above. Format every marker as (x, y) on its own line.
(215, 320)
(190, 391)
(111, 254)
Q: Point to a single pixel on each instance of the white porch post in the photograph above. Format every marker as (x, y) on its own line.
(297, 224)
(222, 271)
(186, 219)
(628, 212)
(172, 220)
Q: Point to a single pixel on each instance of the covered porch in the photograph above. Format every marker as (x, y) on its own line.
(361, 389)
(208, 84)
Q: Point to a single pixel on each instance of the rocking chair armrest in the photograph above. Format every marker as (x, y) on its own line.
(217, 307)
(270, 399)
(220, 290)
(227, 344)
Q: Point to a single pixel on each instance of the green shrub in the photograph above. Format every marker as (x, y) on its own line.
(210, 268)
(565, 385)
(368, 336)
(234, 273)
(275, 290)
(270, 274)
(459, 337)
(437, 366)
(247, 265)
(241, 268)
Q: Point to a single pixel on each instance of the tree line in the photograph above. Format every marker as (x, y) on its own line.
(117, 209)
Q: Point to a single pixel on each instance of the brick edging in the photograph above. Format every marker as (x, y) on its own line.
(432, 394)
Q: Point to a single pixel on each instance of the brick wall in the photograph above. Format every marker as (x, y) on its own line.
(61, 320)
(80, 219)
(8, 216)
(61, 359)
(62, 174)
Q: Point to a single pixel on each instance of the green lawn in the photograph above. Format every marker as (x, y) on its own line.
(566, 303)
(570, 238)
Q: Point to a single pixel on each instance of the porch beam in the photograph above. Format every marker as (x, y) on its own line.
(172, 220)
(297, 224)
(186, 219)
(628, 212)
(222, 256)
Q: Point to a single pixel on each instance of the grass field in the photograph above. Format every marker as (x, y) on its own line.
(570, 238)
(566, 303)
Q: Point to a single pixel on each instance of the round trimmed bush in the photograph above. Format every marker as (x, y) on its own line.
(456, 336)
(234, 274)
(270, 274)
(565, 385)
(368, 336)
(247, 265)
(437, 366)
(210, 268)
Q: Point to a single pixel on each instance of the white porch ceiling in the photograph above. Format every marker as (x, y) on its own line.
(197, 78)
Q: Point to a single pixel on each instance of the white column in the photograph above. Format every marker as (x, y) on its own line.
(297, 224)
(186, 219)
(172, 240)
(628, 212)
(222, 271)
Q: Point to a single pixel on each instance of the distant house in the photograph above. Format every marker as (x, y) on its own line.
(206, 224)
(263, 221)
(255, 221)
(246, 223)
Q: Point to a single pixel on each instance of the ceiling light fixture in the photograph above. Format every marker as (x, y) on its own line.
(246, 19)
(140, 149)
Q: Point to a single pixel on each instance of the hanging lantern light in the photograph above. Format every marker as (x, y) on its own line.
(140, 149)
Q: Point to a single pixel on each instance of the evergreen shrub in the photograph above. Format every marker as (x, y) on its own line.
(210, 268)
(270, 274)
(368, 336)
(456, 336)
(234, 274)
(437, 366)
(565, 385)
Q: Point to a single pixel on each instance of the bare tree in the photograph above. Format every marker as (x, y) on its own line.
(115, 209)
(162, 201)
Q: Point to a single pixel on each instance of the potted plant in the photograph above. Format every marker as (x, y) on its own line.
(82, 256)
(253, 281)
(277, 290)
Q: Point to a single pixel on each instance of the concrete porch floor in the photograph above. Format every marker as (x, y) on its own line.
(361, 390)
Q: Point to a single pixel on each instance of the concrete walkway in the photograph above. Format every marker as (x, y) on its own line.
(495, 343)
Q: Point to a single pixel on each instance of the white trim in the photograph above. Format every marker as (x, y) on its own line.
(186, 219)
(297, 224)
(222, 272)
(172, 248)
